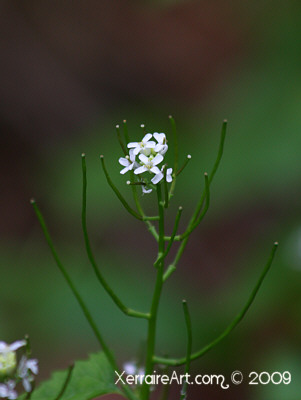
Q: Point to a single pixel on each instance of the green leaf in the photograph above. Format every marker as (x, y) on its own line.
(91, 378)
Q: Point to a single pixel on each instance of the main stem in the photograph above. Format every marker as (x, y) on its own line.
(152, 322)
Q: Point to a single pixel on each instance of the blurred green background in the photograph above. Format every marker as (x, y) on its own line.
(71, 71)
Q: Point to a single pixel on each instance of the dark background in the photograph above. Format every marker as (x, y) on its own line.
(69, 72)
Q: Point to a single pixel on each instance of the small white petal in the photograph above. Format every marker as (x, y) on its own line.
(150, 145)
(124, 170)
(3, 390)
(136, 150)
(26, 385)
(168, 178)
(3, 346)
(157, 159)
(140, 170)
(144, 190)
(159, 147)
(132, 155)
(155, 170)
(12, 395)
(32, 364)
(143, 158)
(157, 178)
(163, 149)
(147, 137)
(123, 161)
(16, 345)
(160, 137)
(132, 144)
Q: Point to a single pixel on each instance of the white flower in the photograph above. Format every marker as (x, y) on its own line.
(161, 147)
(158, 177)
(25, 370)
(149, 164)
(145, 191)
(8, 359)
(144, 146)
(128, 162)
(168, 175)
(7, 390)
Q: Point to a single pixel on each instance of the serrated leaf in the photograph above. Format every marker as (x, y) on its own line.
(91, 378)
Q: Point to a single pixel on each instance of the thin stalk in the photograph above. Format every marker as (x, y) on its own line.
(231, 326)
(142, 126)
(151, 228)
(166, 193)
(116, 191)
(165, 388)
(173, 265)
(189, 347)
(152, 322)
(66, 382)
(176, 153)
(120, 140)
(128, 311)
(203, 213)
(171, 240)
(188, 158)
(126, 132)
(79, 299)
(153, 218)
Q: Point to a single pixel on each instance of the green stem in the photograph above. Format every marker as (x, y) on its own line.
(79, 299)
(203, 213)
(171, 240)
(234, 323)
(189, 347)
(165, 388)
(149, 225)
(116, 191)
(125, 131)
(120, 140)
(188, 158)
(152, 322)
(128, 311)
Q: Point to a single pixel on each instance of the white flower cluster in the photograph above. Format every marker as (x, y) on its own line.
(150, 154)
(11, 372)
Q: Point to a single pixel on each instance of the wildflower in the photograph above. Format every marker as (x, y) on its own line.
(7, 390)
(158, 177)
(128, 162)
(8, 359)
(168, 175)
(26, 369)
(144, 146)
(145, 190)
(161, 147)
(149, 164)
